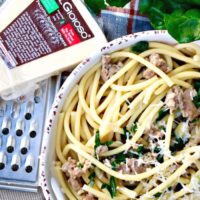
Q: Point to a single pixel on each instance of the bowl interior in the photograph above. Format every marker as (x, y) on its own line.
(55, 191)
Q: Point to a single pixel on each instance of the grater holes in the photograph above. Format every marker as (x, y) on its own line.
(29, 110)
(24, 150)
(10, 149)
(5, 131)
(33, 129)
(6, 126)
(29, 164)
(2, 166)
(19, 132)
(24, 146)
(37, 95)
(15, 167)
(32, 111)
(10, 144)
(15, 163)
(28, 116)
(2, 160)
(29, 169)
(33, 134)
(20, 127)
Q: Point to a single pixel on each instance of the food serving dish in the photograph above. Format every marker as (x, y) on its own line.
(49, 184)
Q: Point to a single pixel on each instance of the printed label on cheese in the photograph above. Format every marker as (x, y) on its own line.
(44, 27)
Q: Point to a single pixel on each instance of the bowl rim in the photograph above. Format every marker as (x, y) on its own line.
(74, 77)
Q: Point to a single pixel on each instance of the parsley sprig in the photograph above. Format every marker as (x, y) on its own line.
(196, 99)
(178, 145)
(99, 143)
(111, 187)
(134, 127)
(162, 113)
(127, 134)
(91, 178)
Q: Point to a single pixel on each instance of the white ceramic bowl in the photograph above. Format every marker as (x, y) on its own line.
(49, 184)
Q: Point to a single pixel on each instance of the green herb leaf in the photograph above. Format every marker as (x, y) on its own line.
(157, 195)
(164, 6)
(126, 134)
(193, 2)
(184, 26)
(141, 150)
(179, 17)
(159, 158)
(197, 85)
(99, 143)
(162, 128)
(91, 177)
(178, 145)
(108, 143)
(105, 186)
(119, 158)
(97, 140)
(194, 120)
(157, 149)
(170, 188)
(134, 127)
(140, 47)
(114, 165)
(111, 187)
(98, 5)
(162, 113)
(118, 3)
(196, 101)
(80, 165)
(156, 11)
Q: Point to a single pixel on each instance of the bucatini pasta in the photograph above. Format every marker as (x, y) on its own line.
(130, 128)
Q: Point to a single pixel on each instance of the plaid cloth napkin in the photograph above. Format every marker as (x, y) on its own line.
(117, 22)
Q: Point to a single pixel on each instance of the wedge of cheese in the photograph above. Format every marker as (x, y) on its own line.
(40, 38)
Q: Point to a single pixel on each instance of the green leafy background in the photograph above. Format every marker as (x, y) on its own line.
(180, 17)
(97, 5)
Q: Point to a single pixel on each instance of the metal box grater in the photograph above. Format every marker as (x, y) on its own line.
(21, 131)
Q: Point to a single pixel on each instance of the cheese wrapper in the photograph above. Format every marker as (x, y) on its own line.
(40, 38)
